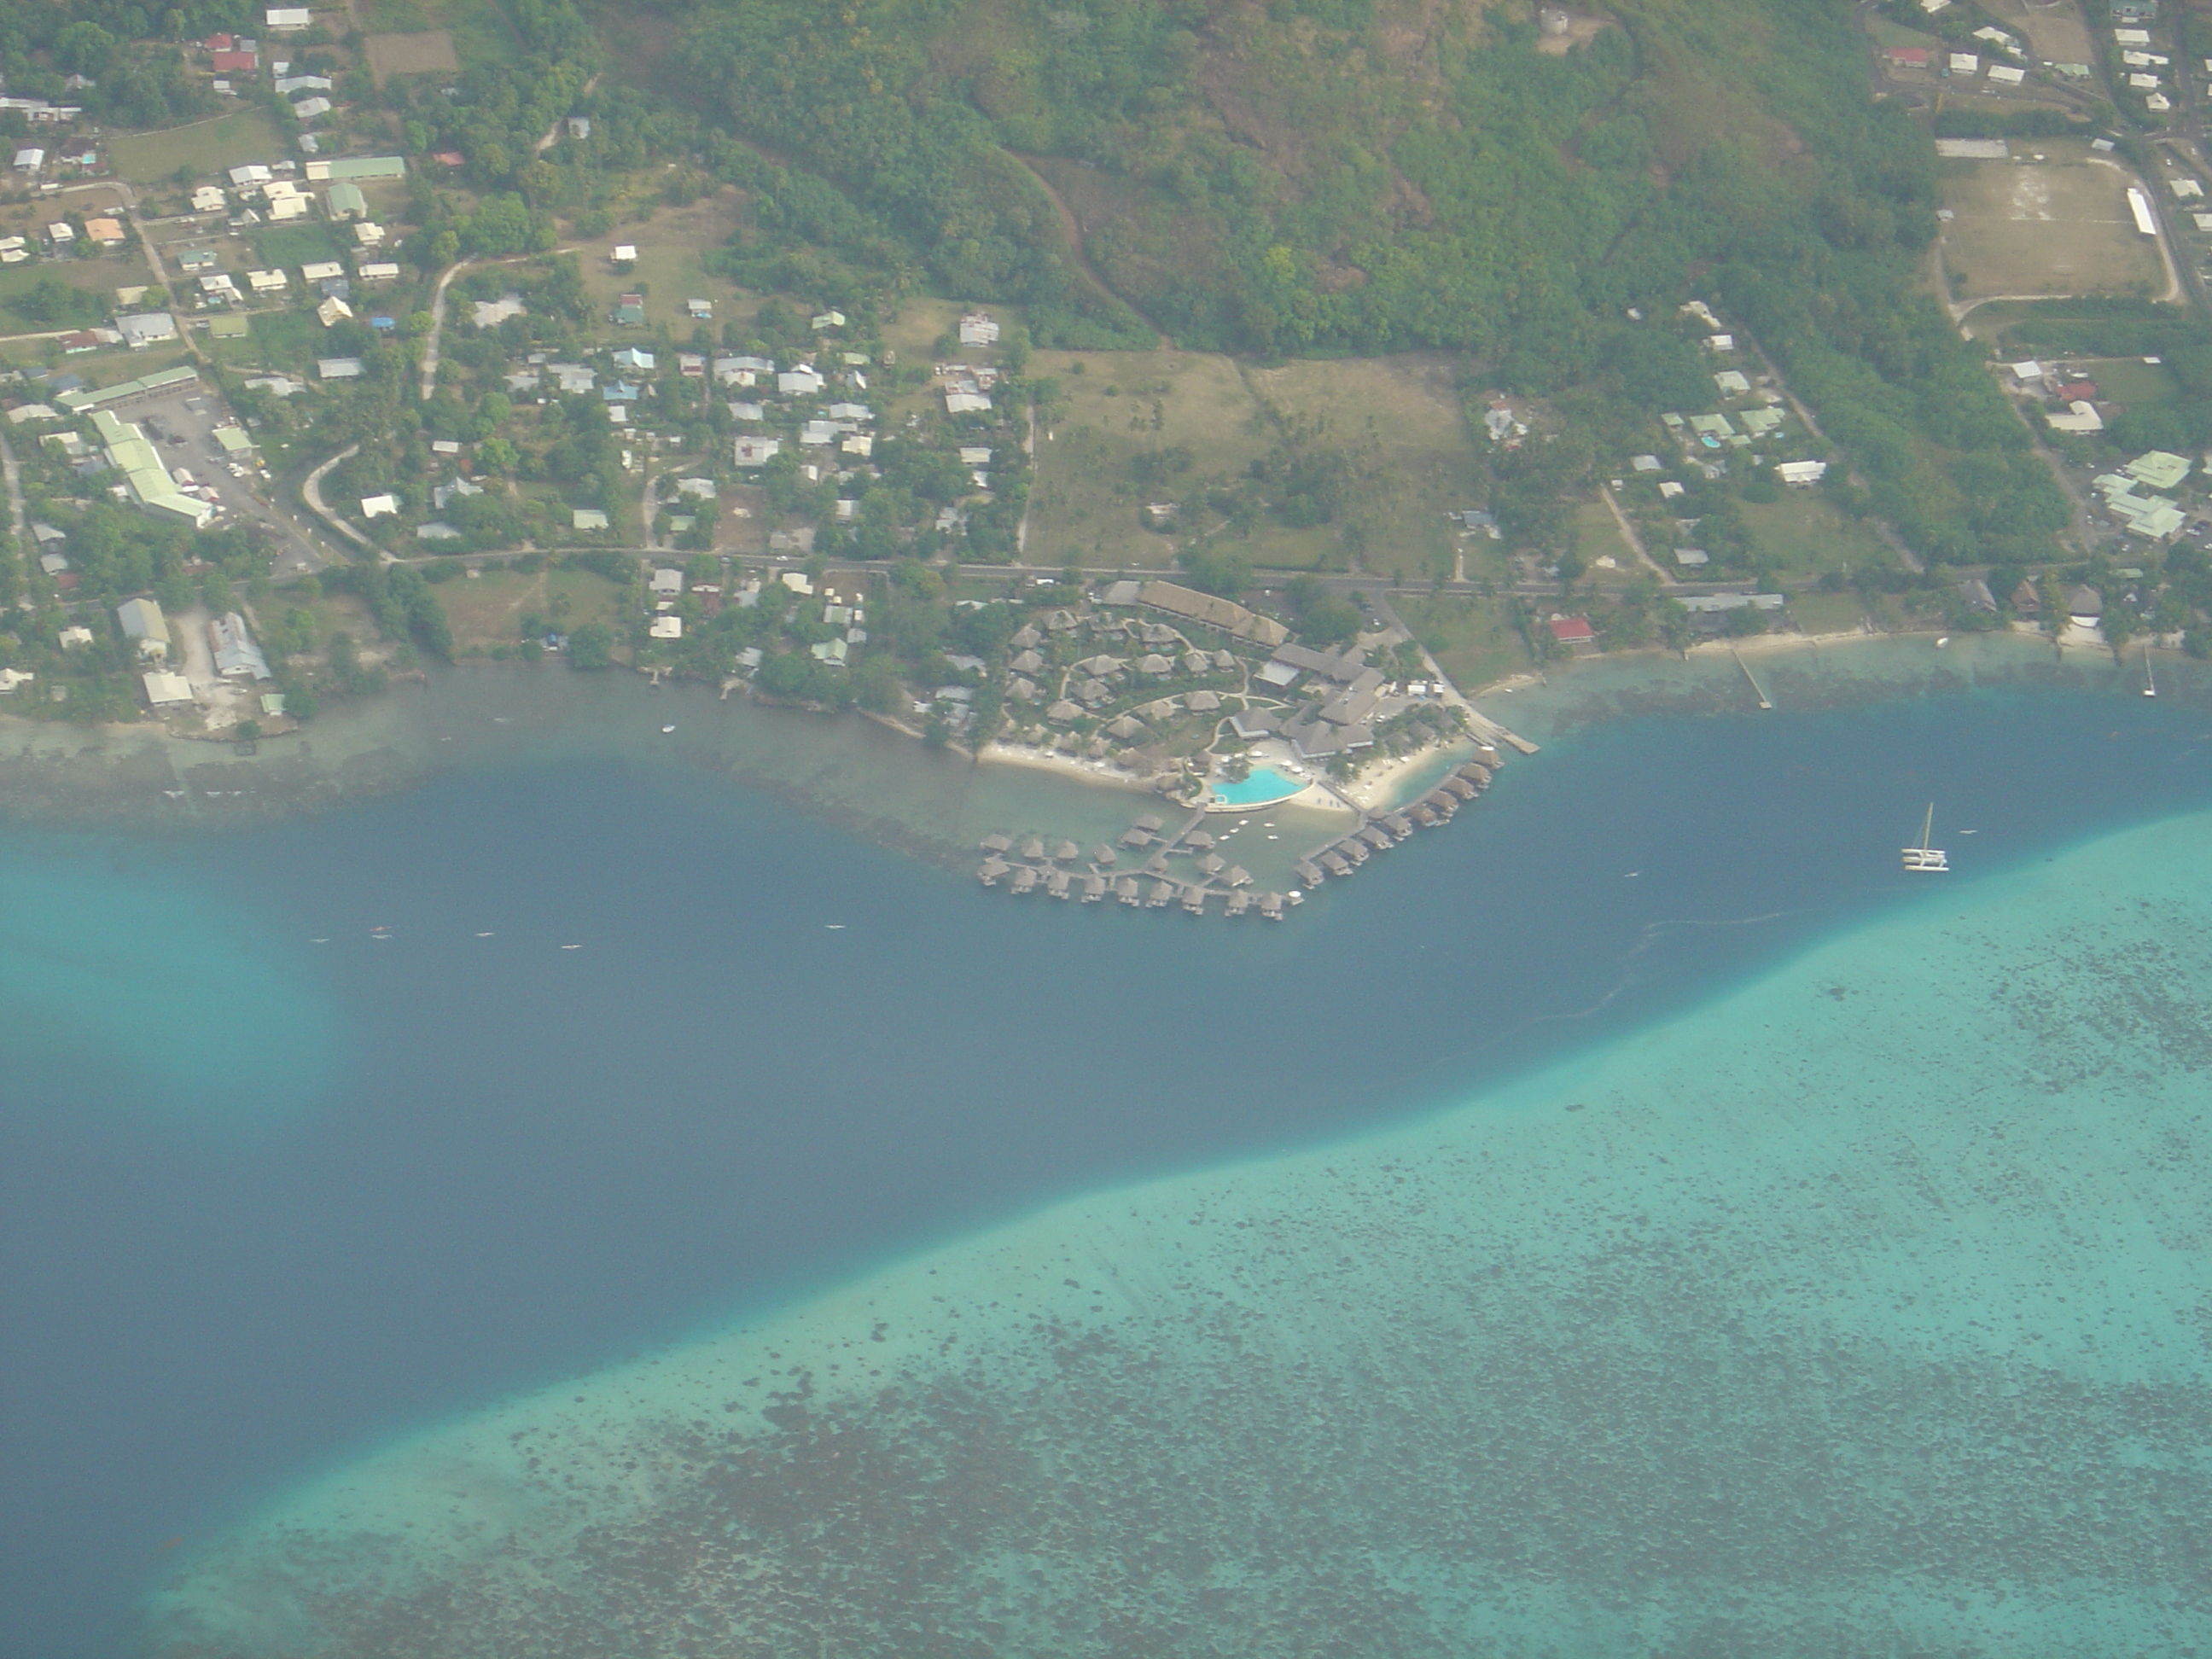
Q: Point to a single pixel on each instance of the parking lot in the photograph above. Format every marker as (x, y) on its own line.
(182, 426)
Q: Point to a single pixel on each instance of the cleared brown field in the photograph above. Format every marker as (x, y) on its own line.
(427, 52)
(2058, 227)
(1398, 416)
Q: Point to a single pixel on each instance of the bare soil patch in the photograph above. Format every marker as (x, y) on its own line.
(2057, 227)
(428, 52)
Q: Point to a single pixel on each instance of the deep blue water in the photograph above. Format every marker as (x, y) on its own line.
(266, 1201)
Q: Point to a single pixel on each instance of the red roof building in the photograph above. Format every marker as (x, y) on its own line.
(1908, 58)
(1573, 630)
(452, 158)
(221, 43)
(236, 62)
(2079, 391)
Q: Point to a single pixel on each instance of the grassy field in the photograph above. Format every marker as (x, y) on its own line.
(1597, 538)
(914, 331)
(292, 245)
(488, 610)
(1468, 636)
(101, 276)
(2133, 382)
(478, 31)
(2054, 33)
(1398, 418)
(228, 141)
(1807, 537)
(1827, 613)
(669, 270)
(2059, 227)
(426, 52)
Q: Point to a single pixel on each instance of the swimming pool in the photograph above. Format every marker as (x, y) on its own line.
(1263, 787)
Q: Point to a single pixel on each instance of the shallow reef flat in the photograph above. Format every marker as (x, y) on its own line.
(1861, 1310)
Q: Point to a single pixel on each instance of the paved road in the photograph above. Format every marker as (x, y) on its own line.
(311, 491)
(437, 330)
(431, 341)
(18, 519)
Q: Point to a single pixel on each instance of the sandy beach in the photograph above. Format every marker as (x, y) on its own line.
(1381, 788)
(1065, 766)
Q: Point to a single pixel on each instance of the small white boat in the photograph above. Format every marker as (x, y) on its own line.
(665, 730)
(1925, 859)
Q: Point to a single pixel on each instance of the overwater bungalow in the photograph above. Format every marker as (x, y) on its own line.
(1238, 904)
(998, 844)
(1094, 888)
(1399, 826)
(1152, 823)
(1157, 865)
(1459, 785)
(1104, 854)
(1354, 849)
(1198, 839)
(1443, 804)
(1126, 891)
(1236, 876)
(1271, 906)
(1378, 838)
(1424, 816)
(1025, 879)
(994, 867)
(1032, 848)
(1161, 895)
(1332, 861)
(1214, 864)
(1067, 852)
(1136, 838)
(1308, 873)
(1476, 774)
(1056, 884)
(1194, 898)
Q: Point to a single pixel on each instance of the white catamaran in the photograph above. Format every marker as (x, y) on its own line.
(1924, 857)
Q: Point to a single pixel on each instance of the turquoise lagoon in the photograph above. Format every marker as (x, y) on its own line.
(1860, 1311)
(320, 1155)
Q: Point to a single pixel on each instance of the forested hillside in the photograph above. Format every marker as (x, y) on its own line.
(1375, 175)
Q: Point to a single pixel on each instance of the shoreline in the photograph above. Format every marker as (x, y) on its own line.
(1062, 766)
(142, 776)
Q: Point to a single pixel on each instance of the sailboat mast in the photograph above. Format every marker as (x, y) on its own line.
(1927, 827)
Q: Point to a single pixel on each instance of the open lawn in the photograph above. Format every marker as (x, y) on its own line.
(2055, 33)
(292, 245)
(472, 31)
(668, 271)
(207, 146)
(1396, 420)
(426, 52)
(2058, 227)
(2130, 380)
(1805, 536)
(1597, 538)
(1827, 613)
(1887, 35)
(100, 277)
(488, 610)
(1469, 637)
